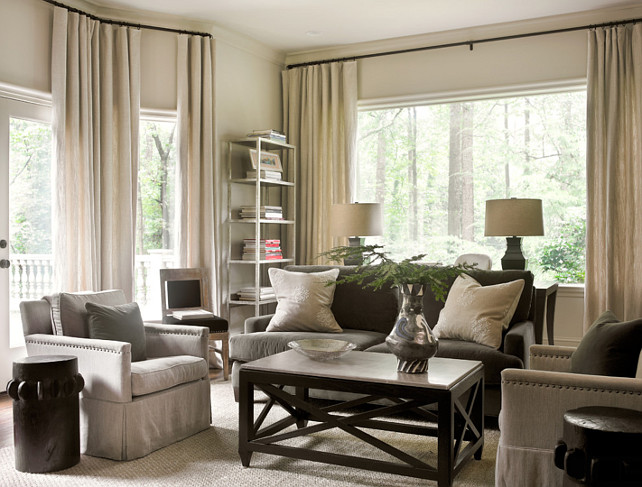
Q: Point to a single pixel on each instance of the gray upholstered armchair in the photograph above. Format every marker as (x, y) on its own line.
(533, 406)
(127, 409)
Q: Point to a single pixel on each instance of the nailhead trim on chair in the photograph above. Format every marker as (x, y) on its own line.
(160, 332)
(574, 388)
(547, 355)
(67, 345)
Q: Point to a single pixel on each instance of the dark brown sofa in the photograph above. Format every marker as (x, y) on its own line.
(367, 317)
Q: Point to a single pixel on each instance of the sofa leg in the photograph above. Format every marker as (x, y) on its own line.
(236, 393)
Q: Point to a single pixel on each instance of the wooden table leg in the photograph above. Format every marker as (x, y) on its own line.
(246, 418)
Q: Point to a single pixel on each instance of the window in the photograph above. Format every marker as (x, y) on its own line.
(433, 168)
(155, 212)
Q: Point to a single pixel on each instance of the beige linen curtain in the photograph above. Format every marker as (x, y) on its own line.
(95, 76)
(614, 173)
(197, 214)
(320, 118)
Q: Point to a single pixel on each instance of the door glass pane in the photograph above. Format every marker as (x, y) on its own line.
(30, 248)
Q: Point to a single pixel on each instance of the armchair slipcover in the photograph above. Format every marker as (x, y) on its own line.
(129, 409)
(532, 415)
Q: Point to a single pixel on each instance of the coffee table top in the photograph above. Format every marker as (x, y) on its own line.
(443, 373)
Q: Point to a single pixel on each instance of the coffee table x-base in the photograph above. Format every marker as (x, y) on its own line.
(454, 386)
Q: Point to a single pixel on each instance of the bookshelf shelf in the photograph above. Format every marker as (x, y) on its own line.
(266, 190)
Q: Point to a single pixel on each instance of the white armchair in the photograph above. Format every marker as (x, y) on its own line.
(532, 415)
(129, 409)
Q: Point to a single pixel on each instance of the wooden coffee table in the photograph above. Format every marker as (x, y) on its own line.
(454, 387)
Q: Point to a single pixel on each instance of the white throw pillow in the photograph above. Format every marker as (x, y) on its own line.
(478, 313)
(304, 301)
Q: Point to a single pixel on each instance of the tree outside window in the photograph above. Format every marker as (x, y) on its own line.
(433, 168)
(155, 210)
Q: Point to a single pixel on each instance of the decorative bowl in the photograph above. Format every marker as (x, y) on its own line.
(322, 349)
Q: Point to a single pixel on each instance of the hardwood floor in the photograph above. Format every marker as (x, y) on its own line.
(6, 412)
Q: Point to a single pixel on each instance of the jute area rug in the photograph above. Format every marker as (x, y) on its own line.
(210, 458)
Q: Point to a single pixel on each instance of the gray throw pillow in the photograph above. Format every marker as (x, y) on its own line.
(610, 347)
(122, 323)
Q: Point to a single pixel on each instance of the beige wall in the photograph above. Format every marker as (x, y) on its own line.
(248, 97)
(25, 44)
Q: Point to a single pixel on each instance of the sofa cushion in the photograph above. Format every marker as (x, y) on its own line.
(494, 361)
(158, 374)
(68, 313)
(253, 346)
(478, 313)
(304, 301)
(432, 307)
(122, 323)
(360, 308)
(610, 347)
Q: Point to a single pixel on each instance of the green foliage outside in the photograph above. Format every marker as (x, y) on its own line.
(156, 181)
(524, 147)
(30, 148)
(561, 256)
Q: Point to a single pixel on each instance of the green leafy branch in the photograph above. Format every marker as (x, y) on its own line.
(379, 270)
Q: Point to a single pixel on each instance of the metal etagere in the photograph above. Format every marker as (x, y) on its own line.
(258, 191)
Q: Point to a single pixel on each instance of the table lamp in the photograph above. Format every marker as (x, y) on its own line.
(514, 218)
(355, 220)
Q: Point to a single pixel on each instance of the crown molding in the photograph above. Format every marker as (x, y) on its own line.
(468, 34)
(220, 33)
(27, 95)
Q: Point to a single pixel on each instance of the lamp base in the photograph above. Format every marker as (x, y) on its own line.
(354, 242)
(513, 258)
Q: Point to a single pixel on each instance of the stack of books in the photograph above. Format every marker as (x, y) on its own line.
(249, 294)
(268, 134)
(268, 249)
(266, 174)
(266, 212)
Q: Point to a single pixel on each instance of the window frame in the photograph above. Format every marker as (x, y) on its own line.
(574, 290)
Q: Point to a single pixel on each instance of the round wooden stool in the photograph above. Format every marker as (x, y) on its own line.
(46, 431)
(602, 446)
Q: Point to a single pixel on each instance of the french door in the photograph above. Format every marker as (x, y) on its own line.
(26, 261)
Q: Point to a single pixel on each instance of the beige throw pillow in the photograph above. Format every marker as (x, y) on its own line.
(304, 301)
(478, 313)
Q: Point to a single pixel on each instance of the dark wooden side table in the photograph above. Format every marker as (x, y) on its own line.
(602, 447)
(46, 430)
(544, 297)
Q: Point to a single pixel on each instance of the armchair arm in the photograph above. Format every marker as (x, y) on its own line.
(168, 340)
(105, 365)
(551, 357)
(534, 402)
(518, 340)
(257, 323)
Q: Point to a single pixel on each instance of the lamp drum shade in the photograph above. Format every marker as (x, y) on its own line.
(514, 217)
(356, 219)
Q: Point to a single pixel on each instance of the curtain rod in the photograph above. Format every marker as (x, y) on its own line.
(125, 24)
(470, 44)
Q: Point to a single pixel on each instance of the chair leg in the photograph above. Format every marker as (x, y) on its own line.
(226, 357)
(224, 337)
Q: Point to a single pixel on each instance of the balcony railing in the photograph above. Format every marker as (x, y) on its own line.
(32, 276)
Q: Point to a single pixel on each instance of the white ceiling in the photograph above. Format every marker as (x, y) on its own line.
(299, 25)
